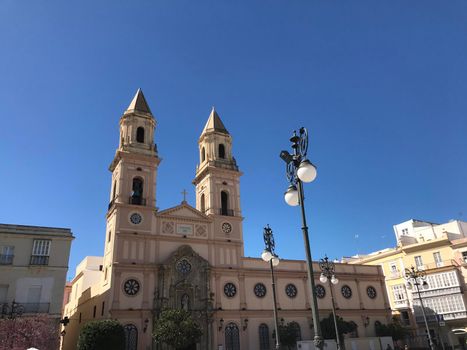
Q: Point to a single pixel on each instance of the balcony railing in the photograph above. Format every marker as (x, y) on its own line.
(6, 259)
(137, 201)
(395, 274)
(401, 304)
(39, 260)
(444, 263)
(226, 212)
(35, 308)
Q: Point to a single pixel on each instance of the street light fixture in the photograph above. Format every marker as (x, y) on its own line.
(299, 170)
(328, 275)
(416, 277)
(270, 256)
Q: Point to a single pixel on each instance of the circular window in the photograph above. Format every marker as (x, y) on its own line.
(226, 227)
(183, 266)
(320, 291)
(260, 290)
(346, 292)
(230, 290)
(371, 292)
(136, 218)
(131, 287)
(291, 290)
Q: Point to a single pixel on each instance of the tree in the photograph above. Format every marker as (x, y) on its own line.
(176, 327)
(329, 330)
(24, 332)
(394, 330)
(288, 334)
(102, 334)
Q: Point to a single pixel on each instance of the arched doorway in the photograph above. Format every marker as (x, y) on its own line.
(131, 337)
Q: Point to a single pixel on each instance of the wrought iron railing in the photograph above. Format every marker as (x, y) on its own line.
(39, 260)
(137, 201)
(226, 212)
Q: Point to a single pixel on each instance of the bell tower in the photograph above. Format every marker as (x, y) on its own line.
(218, 179)
(134, 170)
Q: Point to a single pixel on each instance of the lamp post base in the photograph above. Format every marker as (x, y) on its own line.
(318, 342)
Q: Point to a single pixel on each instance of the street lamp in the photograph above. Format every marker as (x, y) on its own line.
(298, 170)
(270, 256)
(327, 275)
(417, 277)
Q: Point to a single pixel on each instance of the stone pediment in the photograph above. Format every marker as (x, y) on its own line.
(183, 211)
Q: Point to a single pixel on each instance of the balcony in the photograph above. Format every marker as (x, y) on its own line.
(39, 260)
(6, 259)
(444, 263)
(18, 309)
(401, 304)
(395, 274)
(226, 212)
(137, 201)
(35, 308)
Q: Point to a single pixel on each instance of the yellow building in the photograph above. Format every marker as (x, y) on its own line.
(33, 267)
(440, 250)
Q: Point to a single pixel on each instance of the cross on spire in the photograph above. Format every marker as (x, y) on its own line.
(184, 192)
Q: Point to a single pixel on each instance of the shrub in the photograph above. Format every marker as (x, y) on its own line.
(102, 334)
(176, 328)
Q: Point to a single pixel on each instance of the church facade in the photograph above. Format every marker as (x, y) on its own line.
(193, 257)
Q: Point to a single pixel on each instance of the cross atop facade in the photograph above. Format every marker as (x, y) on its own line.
(184, 192)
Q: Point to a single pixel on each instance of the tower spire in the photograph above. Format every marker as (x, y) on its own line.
(214, 123)
(138, 104)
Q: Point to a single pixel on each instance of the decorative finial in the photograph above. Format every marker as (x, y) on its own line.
(184, 192)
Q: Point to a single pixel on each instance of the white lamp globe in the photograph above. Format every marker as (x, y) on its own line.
(291, 196)
(306, 171)
(334, 280)
(266, 255)
(425, 285)
(409, 285)
(323, 278)
(275, 260)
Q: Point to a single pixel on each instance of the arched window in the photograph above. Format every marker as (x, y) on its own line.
(202, 204)
(221, 151)
(232, 339)
(185, 302)
(137, 191)
(203, 154)
(140, 134)
(224, 203)
(264, 337)
(131, 337)
(296, 327)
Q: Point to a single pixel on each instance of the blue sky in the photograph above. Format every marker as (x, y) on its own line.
(379, 84)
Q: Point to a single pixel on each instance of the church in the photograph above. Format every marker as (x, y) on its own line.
(193, 257)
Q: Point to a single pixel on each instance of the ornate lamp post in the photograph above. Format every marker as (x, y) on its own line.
(298, 170)
(416, 277)
(270, 256)
(327, 275)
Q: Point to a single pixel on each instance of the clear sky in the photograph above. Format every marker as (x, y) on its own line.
(381, 86)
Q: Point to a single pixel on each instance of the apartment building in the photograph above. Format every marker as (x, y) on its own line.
(33, 267)
(440, 251)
